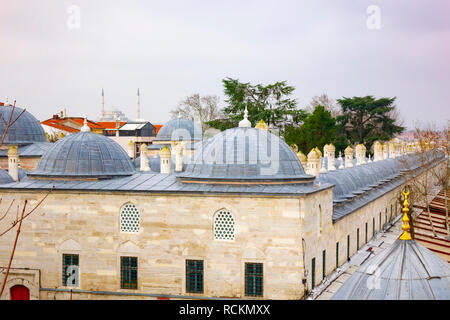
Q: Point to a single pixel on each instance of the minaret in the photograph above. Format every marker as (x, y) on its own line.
(13, 163)
(103, 103)
(138, 106)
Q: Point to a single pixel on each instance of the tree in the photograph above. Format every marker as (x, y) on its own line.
(366, 119)
(195, 107)
(318, 129)
(326, 102)
(270, 103)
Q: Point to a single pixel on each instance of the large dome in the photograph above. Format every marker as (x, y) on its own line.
(25, 130)
(84, 155)
(245, 155)
(179, 130)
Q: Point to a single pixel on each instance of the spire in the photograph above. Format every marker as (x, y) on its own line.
(103, 103)
(405, 227)
(85, 127)
(245, 123)
(138, 106)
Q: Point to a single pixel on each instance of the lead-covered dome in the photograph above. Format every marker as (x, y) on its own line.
(245, 155)
(179, 130)
(84, 155)
(25, 130)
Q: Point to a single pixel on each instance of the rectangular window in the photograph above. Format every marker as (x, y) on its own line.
(367, 231)
(324, 272)
(313, 273)
(254, 279)
(357, 239)
(348, 247)
(337, 254)
(128, 272)
(194, 276)
(380, 223)
(70, 267)
(373, 227)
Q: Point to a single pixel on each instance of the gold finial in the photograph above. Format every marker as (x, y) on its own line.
(262, 125)
(405, 219)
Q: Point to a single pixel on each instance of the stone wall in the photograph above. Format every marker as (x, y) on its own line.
(173, 229)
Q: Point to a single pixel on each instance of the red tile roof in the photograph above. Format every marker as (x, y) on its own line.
(70, 124)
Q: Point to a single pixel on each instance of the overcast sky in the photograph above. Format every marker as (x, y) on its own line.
(170, 49)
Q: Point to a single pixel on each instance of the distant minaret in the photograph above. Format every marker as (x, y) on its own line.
(138, 106)
(103, 103)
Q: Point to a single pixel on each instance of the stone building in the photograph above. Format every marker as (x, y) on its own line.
(239, 218)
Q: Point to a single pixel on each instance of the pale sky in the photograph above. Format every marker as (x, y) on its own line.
(170, 49)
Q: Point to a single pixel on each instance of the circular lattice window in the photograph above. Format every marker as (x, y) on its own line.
(223, 225)
(129, 218)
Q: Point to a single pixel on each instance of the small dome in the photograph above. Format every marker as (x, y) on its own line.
(404, 271)
(26, 130)
(245, 154)
(5, 177)
(179, 130)
(84, 155)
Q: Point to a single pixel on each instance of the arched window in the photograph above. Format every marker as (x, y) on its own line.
(129, 218)
(223, 225)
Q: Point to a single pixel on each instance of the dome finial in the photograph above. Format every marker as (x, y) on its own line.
(405, 219)
(85, 127)
(245, 123)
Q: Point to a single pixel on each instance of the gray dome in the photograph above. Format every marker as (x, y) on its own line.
(245, 154)
(25, 130)
(404, 271)
(179, 130)
(5, 177)
(85, 155)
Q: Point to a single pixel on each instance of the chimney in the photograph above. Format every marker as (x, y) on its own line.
(165, 160)
(179, 157)
(131, 149)
(313, 162)
(378, 151)
(329, 150)
(144, 158)
(348, 157)
(13, 163)
(360, 154)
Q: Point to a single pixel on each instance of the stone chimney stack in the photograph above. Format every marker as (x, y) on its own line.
(301, 156)
(144, 158)
(392, 150)
(131, 149)
(329, 150)
(313, 162)
(360, 154)
(165, 158)
(13, 163)
(385, 151)
(378, 151)
(179, 148)
(348, 157)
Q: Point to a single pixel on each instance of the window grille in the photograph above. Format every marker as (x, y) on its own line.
(128, 272)
(70, 267)
(129, 219)
(194, 276)
(254, 279)
(223, 225)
